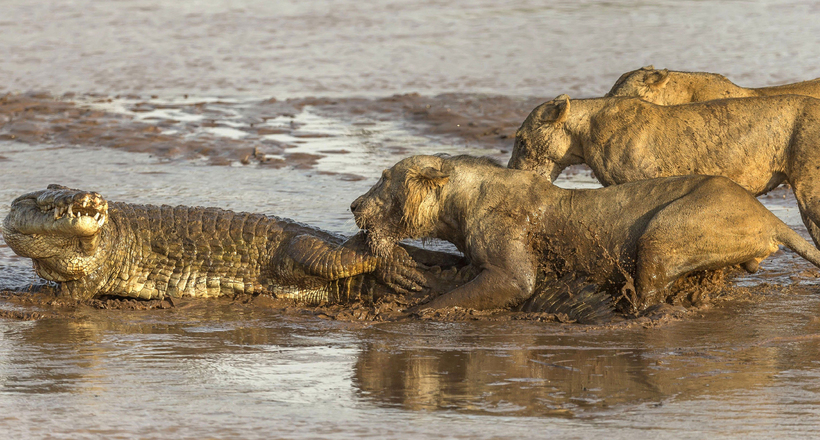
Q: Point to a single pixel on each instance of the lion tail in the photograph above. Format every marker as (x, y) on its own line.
(800, 245)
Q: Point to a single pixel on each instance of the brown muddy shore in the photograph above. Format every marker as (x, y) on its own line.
(485, 121)
(28, 306)
(693, 294)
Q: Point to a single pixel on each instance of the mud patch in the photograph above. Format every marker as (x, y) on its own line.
(45, 302)
(390, 308)
(701, 288)
(269, 132)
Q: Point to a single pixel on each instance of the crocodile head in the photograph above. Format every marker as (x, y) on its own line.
(60, 229)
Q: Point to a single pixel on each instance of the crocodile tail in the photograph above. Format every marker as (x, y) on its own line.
(341, 291)
(329, 261)
(575, 297)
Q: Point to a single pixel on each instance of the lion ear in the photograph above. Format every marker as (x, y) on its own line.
(649, 67)
(428, 177)
(657, 79)
(561, 102)
(420, 183)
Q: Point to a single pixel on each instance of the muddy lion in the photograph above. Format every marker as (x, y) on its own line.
(757, 142)
(513, 224)
(666, 87)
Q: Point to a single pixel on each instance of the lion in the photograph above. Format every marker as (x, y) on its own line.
(511, 224)
(757, 142)
(666, 87)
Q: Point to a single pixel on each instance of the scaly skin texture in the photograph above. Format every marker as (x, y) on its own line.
(93, 247)
(638, 238)
(666, 87)
(756, 142)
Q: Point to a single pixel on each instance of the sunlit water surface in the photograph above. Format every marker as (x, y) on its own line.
(744, 369)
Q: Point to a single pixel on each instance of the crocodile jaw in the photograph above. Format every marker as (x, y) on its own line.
(60, 229)
(57, 210)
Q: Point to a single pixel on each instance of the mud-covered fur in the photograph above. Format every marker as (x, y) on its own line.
(667, 87)
(757, 142)
(510, 224)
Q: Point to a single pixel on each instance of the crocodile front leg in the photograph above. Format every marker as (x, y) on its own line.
(320, 258)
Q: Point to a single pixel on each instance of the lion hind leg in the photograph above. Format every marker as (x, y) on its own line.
(806, 189)
(687, 237)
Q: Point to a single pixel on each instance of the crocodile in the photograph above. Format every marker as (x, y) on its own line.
(93, 247)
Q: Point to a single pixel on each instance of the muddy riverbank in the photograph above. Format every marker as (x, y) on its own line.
(267, 132)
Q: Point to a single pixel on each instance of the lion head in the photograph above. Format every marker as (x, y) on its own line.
(404, 203)
(646, 83)
(543, 144)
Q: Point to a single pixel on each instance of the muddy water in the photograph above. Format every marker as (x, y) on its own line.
(232, 125)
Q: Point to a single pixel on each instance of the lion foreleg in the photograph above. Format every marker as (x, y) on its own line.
(806, 187)
(493, 288)
(810, 213)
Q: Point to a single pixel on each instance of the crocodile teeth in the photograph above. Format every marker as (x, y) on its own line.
(70, 211)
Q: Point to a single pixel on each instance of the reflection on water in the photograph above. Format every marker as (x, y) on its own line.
(219, 369)
(525, 369)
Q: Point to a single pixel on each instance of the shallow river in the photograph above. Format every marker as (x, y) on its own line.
(746, 368)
